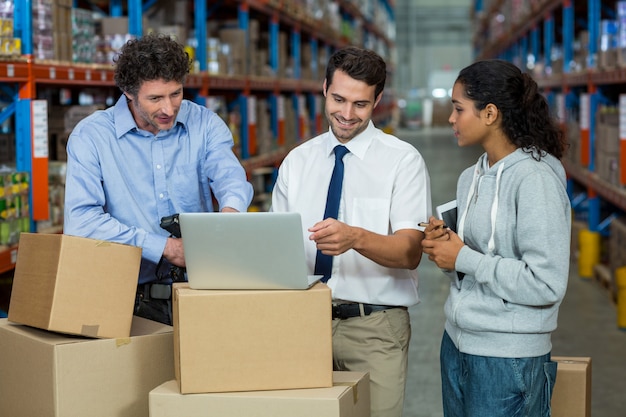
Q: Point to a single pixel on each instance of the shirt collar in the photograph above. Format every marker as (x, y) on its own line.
(358, 145)
(125, 122)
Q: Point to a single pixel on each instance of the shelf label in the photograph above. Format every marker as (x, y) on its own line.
(560, 107)
(622, 137)
(281, 107)
(280, 115)
(53, 73)
(622, 116)
(88, 75)
(252, 110)
(103, 76)
(70, 74)
(252, 139)
(301, 105)
(40, 128)
(10, 70)
(584, 111)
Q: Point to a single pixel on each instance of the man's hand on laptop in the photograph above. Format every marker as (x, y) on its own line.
(174, 252)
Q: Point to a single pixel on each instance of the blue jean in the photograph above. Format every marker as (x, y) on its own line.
(480, 386)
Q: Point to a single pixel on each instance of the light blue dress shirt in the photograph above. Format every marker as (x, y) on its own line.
(122, 180)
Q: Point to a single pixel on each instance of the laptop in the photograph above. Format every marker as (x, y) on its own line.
(239, 251)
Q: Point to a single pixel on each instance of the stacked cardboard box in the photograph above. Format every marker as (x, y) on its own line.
(70, 345)
(573, 151)
(42, 26)
(607, 145)
(71, 348)
(61, 121)
(234, 58)
(572, 390)
(348, 397)
(83, 36)
(74, 285)
(49, 374)
(263, 339)
(62, 27)
(268, 354)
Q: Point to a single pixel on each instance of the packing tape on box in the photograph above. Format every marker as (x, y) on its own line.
(122, 341)
(355, 391)
(103, 243)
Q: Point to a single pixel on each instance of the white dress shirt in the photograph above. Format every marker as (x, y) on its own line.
(386, 187)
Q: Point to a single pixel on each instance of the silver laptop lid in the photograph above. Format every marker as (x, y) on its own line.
(262, 250)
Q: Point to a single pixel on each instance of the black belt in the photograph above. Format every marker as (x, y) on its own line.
(346, 311)
(154, 291)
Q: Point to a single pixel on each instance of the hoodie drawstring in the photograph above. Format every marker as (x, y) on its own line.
(494, 205)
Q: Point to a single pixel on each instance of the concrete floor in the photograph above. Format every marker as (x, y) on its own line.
(587, 319)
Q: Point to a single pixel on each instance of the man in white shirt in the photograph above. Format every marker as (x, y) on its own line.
(374, 241)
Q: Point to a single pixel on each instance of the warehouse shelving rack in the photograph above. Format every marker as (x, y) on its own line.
(546, 22)
(21, 76)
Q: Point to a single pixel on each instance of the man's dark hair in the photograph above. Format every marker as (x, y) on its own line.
(360, 64)
(149, 58)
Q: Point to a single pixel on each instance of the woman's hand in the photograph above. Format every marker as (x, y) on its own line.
(441, 244)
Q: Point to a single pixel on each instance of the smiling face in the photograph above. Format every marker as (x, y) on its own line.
(349, 105)
(156, 105)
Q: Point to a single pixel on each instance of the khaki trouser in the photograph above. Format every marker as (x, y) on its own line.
(377, 344)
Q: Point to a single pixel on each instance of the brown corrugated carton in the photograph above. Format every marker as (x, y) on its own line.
(47, 374)
(247, 340)
(348, 397)
(572, 391)
(74, 285)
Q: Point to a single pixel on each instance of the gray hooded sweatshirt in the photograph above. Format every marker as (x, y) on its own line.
(515, 220)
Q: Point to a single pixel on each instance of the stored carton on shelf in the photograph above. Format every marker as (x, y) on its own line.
(47, 374)
(572, 390)
(246, 340)
(74, 285)
(348, 397)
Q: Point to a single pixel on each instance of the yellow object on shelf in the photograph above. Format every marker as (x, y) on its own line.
(620, 281)
(589, 256)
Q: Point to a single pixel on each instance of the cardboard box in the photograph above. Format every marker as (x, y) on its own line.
(572, 391)
(348, 397)
(47, 374)
(74, 285)
(118, 25)
(247, 340)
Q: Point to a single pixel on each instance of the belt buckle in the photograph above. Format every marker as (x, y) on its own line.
(346, 311)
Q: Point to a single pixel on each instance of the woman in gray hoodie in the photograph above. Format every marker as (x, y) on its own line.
(509, 257)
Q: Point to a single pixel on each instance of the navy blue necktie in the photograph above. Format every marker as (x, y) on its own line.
(324, 263)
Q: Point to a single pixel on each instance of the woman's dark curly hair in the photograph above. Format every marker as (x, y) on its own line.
(360, 64)
(526, 117)
(149, 58)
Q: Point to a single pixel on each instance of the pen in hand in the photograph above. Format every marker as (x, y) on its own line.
(425, 224)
